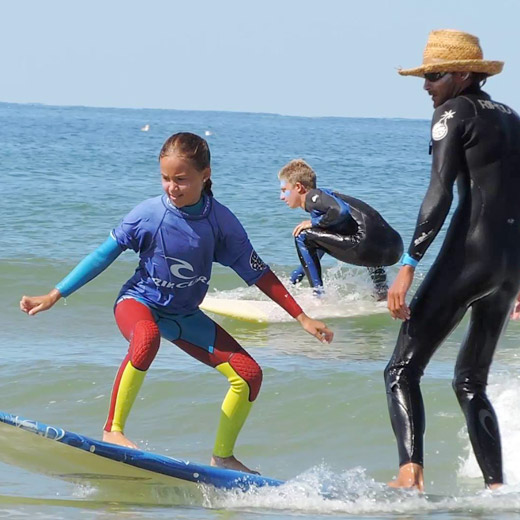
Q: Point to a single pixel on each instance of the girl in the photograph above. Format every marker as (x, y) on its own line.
(177, 236)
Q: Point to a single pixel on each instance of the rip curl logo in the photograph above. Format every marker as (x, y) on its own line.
(183, 270)
(177, 265)
(314, 198)
(256, 262)
(440, 128)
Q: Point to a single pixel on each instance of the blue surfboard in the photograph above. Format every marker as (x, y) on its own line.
(59, 453)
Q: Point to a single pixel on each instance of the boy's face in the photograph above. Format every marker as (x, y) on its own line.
(289, 193)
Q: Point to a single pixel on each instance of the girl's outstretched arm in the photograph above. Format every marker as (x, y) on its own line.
(269, 284)
(86, 270)
(35, 304)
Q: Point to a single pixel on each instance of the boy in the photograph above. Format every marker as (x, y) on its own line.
(342, 226)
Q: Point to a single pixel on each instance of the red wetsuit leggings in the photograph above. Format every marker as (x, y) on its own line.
(201, 338)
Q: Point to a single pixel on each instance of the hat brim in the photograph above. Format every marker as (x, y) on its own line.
(484, 66)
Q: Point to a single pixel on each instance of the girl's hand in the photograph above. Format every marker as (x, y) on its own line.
(34, 304)
(315, 328)
(306, 224)
(397, 293)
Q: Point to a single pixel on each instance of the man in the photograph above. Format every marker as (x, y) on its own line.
(475, 142)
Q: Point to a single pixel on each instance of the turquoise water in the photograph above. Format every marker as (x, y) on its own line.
(68, 174)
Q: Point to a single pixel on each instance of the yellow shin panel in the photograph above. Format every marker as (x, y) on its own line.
(234, 412)
(129, 386)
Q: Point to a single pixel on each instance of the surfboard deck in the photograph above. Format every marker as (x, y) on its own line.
(58, 453)
(258, 311)
(261, 311)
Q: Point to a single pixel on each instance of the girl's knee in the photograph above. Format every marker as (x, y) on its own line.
(144, 344)
(249, 370)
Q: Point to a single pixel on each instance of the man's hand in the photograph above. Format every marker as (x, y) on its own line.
(397, 293)
(315, 328)
(306, 224)
(515, 314)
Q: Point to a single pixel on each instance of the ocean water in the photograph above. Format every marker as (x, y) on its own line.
(67, 176)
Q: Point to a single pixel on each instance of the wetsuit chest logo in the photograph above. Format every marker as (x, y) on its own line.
(177, 264)
(440, 128)
(183, 270)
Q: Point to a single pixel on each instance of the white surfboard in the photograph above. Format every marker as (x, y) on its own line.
(246, 310)
(261, 311)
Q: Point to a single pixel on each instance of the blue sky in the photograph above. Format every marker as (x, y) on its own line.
(293, 57)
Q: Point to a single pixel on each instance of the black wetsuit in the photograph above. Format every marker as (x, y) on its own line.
(475, 142)
(349, 230)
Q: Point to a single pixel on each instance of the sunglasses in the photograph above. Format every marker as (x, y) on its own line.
(432, 77)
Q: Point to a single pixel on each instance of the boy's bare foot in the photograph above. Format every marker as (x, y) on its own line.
(231, 463)
(410, 475)
(119, 439)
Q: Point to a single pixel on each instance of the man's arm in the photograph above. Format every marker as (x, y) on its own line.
(447, 160)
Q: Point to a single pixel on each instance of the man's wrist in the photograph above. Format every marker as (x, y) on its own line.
(408, 260)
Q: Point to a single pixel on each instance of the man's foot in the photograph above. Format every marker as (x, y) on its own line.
(493, 487)
(410, 475)
(231, 463)
(119, 439)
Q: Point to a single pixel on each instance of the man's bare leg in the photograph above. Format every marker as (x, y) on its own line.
(119, 439)
(231, 463)
(410, 475)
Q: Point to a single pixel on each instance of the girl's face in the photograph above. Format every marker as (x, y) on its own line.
(181, 181)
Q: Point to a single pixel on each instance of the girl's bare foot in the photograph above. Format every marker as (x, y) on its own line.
(119, 439)
(231, 463)
(410, 475)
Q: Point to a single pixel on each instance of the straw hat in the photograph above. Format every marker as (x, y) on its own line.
(453, 51)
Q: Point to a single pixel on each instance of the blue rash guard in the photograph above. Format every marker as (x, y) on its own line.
(176, 250)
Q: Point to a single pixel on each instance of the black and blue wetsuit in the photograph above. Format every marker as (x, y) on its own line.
(349, 230)
(475, 143)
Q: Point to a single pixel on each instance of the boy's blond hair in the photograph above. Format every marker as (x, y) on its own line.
(298, 170)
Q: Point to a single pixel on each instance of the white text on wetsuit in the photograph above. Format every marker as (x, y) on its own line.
(491, 105)
(170, 285)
